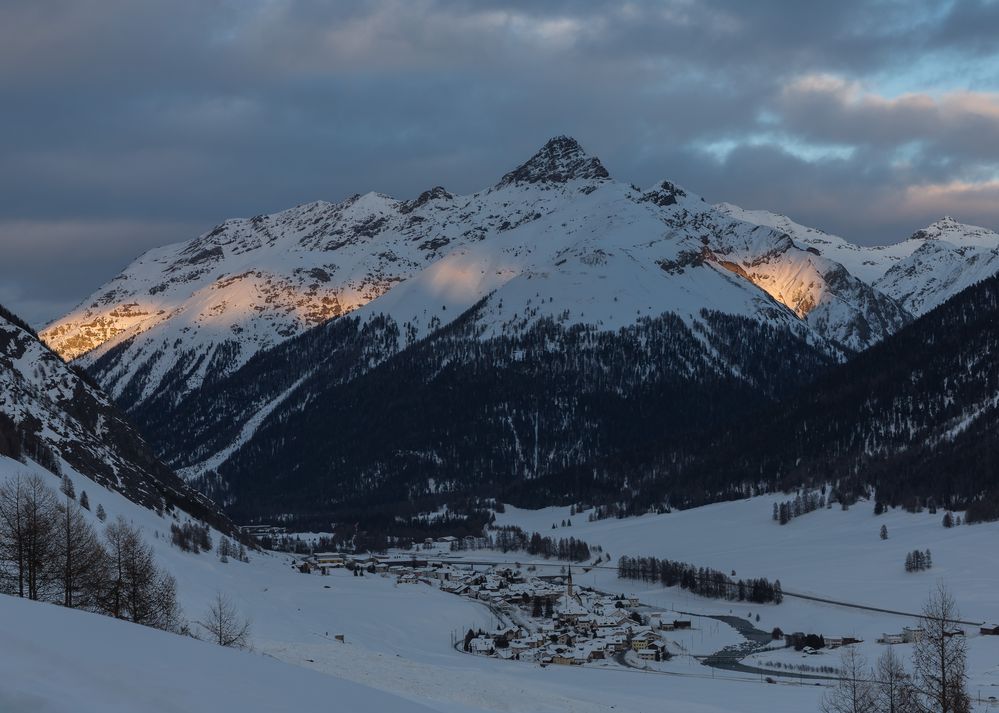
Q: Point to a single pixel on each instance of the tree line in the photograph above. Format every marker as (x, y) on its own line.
(50, 552)
(703, 581)
(801, 504)
(511, 537)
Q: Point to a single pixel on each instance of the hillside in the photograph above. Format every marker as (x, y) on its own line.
(54, 414)
(397, 646)
(915, 416)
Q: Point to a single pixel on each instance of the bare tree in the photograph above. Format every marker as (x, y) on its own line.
(893, 691)
(853, 692)
(226, 626)
(137, 590)
(939, 658)
(12, 552)
(80, 561)
(27, 536)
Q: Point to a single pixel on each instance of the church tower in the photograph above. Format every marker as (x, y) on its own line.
(568, 589)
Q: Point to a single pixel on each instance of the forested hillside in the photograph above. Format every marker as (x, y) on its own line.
(915, 416)
(527, 419)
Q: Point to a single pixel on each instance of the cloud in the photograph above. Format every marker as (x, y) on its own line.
(48, 266)
(953, 125)
(167, 117)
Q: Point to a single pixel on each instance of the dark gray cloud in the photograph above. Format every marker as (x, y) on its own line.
(129, 124)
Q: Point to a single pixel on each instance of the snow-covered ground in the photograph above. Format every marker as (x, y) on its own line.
(59, 660)
(828, 553)
(397, 638)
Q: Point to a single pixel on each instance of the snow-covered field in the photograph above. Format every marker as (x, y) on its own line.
(59, 660)
(398, 638)
(828, 553)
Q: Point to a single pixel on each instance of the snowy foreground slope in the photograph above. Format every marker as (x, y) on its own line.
(59, 660)
(397, 640)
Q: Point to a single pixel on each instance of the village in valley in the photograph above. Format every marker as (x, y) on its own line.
(543, 619)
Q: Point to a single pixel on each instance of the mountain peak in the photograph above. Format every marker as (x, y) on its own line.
(936, 229)
(560, 160)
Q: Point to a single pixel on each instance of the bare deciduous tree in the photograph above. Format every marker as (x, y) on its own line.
(939, 658)
(893, 691)
(853, 692)
(226, 626)
(80, 560)
(137, 590)
(12, 554)
(27, 534)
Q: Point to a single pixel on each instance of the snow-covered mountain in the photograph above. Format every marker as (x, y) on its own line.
(555, 236)
(926, 270)
(557, 320)
(52, 414)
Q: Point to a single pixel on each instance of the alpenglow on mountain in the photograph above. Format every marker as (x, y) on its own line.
(53, 415)
(252, 355)
(185, 313)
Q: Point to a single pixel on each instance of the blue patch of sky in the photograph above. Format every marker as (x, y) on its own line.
(719, 149)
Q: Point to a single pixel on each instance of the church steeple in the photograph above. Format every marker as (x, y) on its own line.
(568, 589)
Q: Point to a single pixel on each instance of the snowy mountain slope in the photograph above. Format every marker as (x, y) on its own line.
(819, 290)
(606, 258)
(948, 257)
(53, 414)
(916, 415)
(189, 314)
(617, 262)
(927, 269)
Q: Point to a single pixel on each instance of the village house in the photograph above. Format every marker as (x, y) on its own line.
(529, 655)
(563, 656)
(989, 630)
(482, 645)
(911, 635)
(652, 652)
(642, 639)
(328, 559)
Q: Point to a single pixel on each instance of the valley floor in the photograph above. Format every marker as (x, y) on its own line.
(397, 652)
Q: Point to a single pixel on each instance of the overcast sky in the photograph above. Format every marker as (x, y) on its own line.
(127, 124)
